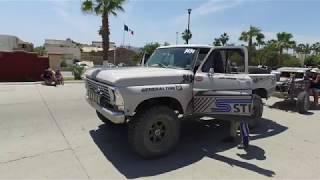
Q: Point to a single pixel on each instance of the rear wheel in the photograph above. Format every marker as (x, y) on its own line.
(154, 132)
(257, 111)
(303, 102)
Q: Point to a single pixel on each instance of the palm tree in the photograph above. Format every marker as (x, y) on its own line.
(224, 38)
(284, 41)
(216, 42)
(260, 41)
(103, 8)
(316, 48)
(186, 35)
(303, 49)
(248, 36)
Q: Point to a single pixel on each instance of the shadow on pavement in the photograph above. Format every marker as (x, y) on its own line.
(253, 152)
(290, 105)
(199, 139)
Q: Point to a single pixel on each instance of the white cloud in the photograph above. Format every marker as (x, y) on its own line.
(77, 21)
(213, 6)
(209, 7)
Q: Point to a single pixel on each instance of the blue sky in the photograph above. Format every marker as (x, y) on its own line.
(159, 20)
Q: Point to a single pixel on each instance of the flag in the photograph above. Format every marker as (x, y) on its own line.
(131, 32)
(126, 28)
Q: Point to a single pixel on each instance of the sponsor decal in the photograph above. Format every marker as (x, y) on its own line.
(242, 106)
(163, 88)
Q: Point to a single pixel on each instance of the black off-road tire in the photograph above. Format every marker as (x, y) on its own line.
(154, 132)
(257, 111)
(303, 102)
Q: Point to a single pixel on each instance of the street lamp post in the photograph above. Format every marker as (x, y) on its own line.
(189, 12)
(177, 33)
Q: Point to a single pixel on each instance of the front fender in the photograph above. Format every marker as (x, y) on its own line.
(134, 95)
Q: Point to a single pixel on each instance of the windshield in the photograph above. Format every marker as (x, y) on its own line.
(172, 58)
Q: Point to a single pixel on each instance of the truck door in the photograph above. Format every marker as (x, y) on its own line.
(219, 83)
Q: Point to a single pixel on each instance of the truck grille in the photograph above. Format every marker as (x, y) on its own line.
(99, 88)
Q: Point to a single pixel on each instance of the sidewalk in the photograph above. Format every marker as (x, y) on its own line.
(38, 82)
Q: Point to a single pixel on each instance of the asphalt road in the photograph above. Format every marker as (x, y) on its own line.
(51, 132)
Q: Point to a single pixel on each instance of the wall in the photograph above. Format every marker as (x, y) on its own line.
(123, 55)
(21, 66)
(55, 60)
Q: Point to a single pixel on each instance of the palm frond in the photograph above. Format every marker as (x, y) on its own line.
(87, 6)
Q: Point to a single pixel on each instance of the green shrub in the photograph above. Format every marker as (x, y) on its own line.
(312, 61)
(77, 72)
(63, 63)
(290, 61)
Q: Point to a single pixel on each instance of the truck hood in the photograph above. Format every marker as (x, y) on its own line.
(137, 76)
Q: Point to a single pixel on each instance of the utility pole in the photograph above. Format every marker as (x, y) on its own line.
(189, 12)
(114, 55)
(177, 33)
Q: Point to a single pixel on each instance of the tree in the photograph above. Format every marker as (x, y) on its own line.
(40, 50)
(248, 36)
(316, 48)
(260, 41)
(312, 61)
(103, 8)
(166, 44)
(284, 41)
(186, 36)
(150, 47)
(216, 42)
(303, 49)
(146, 49)
(224, 38)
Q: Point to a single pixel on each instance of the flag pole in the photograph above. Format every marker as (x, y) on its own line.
(123, 38)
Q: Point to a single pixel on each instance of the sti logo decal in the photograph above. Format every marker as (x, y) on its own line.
(232, 106)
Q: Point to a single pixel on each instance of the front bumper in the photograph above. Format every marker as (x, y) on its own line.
(115, 117)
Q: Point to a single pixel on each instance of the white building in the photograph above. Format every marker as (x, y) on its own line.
(11, 43)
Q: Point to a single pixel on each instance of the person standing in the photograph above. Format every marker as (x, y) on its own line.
(233, 133)
(315, 85)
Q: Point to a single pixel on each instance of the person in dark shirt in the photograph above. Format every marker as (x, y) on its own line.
(315, 85)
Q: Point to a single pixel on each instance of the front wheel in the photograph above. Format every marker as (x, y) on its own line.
(303, 102)
(257, 111)
(154, 132)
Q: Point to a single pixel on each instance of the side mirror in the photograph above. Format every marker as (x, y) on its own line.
(211, 71)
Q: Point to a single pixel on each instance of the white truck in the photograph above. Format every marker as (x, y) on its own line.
(176, 82)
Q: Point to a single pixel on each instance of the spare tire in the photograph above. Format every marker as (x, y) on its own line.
(257, 111)
(303, 102)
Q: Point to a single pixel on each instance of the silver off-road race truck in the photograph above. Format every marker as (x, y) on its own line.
(176, 82)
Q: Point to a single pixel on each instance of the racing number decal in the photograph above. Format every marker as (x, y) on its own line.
(189, 51)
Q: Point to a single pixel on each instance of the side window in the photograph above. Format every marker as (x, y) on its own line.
(202, 54)
(215, 60)
(235, 62)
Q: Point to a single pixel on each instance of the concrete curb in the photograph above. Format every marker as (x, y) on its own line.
(38, 82)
